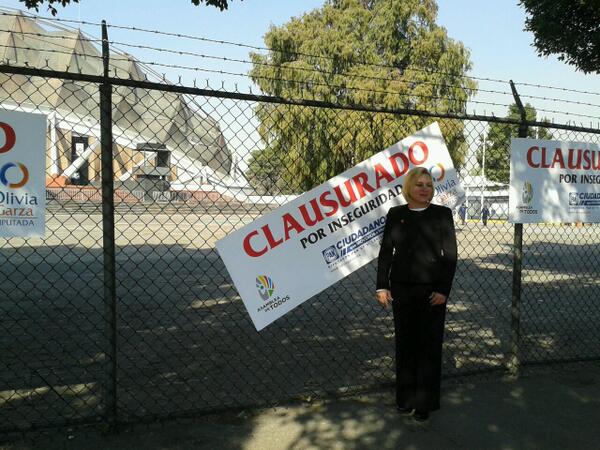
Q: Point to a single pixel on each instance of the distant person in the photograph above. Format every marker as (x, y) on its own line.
(462, 213)
(485, 214)
(415, 269)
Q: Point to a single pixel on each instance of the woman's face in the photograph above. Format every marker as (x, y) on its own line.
(422, 190)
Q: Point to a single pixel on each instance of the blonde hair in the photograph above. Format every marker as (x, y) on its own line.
(410, 180)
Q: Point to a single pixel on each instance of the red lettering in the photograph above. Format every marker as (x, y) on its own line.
(352, 195)
(270, 239)
(595, 160)
(381, 172)
(10, 137)
(318, 214)
(289, 223)
(397, 171)
(411, 152)
(574, 165)
(361, 182)
(558, 159)
(329, 203)
(586, 158)
(529, 156)
(248, 246)
(545, 163)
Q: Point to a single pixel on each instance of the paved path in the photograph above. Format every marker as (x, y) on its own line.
(550, 410)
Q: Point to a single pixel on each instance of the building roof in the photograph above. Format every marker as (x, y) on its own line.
(139, 115)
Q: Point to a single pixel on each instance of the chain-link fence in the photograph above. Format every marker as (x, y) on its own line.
(147, 323)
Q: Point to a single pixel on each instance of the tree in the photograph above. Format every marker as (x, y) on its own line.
(497, 143)
(568, 28)
(387, 53)
(35, 4)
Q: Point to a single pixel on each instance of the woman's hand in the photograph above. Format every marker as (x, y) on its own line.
(437, 299)
(384, 297)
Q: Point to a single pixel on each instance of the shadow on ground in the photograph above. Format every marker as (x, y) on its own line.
(185, 343)
(549, 409)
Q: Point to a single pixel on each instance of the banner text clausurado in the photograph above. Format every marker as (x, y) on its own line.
(258, 242)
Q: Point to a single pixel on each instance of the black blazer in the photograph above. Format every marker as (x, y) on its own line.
(418, 247)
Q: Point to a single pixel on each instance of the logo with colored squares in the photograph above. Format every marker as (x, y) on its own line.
(265, 287)
(438, 172)
(14, 175)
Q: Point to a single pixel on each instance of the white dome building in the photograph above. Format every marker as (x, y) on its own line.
(156, 133)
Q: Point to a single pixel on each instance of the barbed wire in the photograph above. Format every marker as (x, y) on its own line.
(309, 55)
(52, 19)
(310, 83)
(70, 53)
(478, 102)
(225, 59)
(189, 92)
(252, 47)
(177, 66)
(80, 37)
(567, 113)
(259, 48)
(562, 100)
(242, 61)
(542, 86)
(412, 106)
(70, 49)
(304, 69)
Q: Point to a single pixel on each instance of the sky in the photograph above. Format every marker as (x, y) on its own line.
(491, 30)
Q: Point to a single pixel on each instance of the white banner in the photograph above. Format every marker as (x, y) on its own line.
(22, 174)
(554, 181)
(296, 251)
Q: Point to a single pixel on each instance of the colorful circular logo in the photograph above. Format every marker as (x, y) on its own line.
(437, 172)
(265, 286)
(24, 175)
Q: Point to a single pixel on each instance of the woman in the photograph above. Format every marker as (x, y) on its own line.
(416, 266)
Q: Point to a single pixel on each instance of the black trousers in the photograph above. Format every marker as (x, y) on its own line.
(419, 330)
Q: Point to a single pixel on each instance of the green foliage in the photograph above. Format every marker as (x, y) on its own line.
(497, 143)
(385, 53)
(29, 4)
(567, 28)
(35, 4)
(221, 4)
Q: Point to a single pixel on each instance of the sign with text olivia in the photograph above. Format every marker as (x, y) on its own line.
(296, 251)
(554, 181)
(22, 174)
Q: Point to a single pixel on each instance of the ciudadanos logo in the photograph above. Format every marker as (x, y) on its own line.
(265, 287)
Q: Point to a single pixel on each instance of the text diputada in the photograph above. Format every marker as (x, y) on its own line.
(258, 242)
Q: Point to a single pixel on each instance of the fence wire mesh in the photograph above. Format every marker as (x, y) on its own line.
(188, 170)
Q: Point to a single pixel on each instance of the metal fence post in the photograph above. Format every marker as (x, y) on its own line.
(108, 235)
(514, 361)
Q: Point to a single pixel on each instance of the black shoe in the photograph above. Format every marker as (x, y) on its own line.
(405, 410)
(421, 416)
